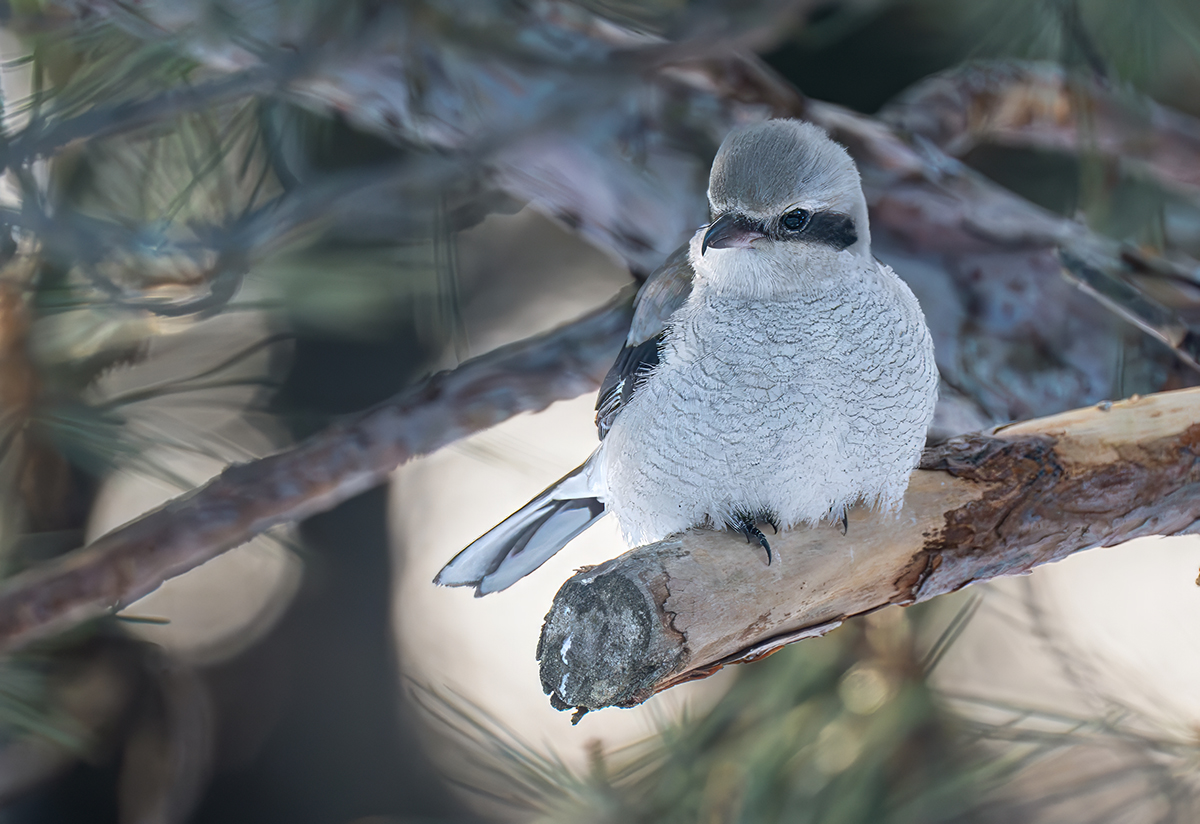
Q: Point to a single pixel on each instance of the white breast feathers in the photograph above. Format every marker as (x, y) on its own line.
(786, 402)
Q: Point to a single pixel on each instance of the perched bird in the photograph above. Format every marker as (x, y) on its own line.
(775, 373)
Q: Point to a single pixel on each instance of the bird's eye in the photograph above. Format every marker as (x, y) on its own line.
(796, 220)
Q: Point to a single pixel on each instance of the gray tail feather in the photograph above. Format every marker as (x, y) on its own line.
(525, 540)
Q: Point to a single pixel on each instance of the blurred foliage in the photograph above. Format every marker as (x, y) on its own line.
(837, 729)
(1140, 43)
(846, 728)
(1153, 45)
(192, 187)
(27, 706)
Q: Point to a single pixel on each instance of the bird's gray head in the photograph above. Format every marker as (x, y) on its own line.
(782, 183)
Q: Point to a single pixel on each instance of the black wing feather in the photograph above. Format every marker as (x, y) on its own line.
(632, 366)
(661, 295)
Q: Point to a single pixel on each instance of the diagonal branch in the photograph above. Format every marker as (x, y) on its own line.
(1038, 105)
(313, 476)
(980, 507)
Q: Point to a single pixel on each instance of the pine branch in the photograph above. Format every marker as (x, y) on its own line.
(980, 507)
(315, 475)
(1037, 105)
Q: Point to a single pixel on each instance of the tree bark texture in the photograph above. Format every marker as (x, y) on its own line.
(980, 506)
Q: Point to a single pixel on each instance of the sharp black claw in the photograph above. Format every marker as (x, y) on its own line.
(746, 525)
(845, 522)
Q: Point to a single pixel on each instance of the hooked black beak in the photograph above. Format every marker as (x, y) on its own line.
(731, 230)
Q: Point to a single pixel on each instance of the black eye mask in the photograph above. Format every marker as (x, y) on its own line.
(831, 228)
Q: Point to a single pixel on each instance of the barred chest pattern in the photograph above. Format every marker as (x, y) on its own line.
(792, 409)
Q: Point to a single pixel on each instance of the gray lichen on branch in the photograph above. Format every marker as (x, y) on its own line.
(980, 507)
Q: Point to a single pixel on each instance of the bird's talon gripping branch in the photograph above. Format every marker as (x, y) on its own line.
(746, 525)
(845, 524)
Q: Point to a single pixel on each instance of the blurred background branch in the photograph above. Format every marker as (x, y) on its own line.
(229, 228)
(316, 475)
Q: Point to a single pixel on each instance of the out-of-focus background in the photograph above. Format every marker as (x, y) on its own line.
(227, 223)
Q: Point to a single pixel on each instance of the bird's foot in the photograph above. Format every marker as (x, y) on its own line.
(842, 521)
(747, 525)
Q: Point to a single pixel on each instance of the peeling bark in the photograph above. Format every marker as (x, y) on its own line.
(979, 507)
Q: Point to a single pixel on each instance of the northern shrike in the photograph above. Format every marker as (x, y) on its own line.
(775, 373)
